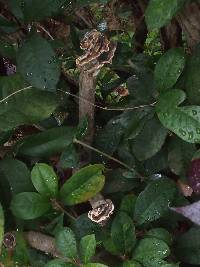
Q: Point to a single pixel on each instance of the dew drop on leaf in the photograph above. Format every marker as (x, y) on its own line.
(182, 132)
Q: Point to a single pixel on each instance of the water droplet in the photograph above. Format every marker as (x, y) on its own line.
(49, 61)
(190, 135)
(198, 130)
(194, 112)
(182, 132)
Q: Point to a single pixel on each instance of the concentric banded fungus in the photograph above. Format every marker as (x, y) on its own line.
(98, 52)
(101, 212)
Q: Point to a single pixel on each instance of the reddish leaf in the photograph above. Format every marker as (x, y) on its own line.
(194, 176)
(192, 212)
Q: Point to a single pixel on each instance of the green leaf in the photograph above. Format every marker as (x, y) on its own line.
(35, 10)
(150, 140)
(58, 263)
(134, 122)
(1, 225)
(82, 3)
(87, 248)
(128, 204)
(131, 264)
(94, 265)
(37, 62)
(154, 201)
(150, 249)
(45, 179)
(108, 138)
(123, 233)
(110, 246)
(66, 243)
(180, 154)
(47, 143)
(141, 86)
(7, 50)
(25, 106)
(69, 157)
(183, 121)
(188, 246)
(116, 181)
(192, 79)
(169, 68)
(160, 233)
(83, 185)
(159, 12)
(17, 174)
(29, 205)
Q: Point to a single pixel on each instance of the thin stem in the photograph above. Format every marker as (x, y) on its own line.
(57, 206)
(103, 154)
(48, 33)
(106, 108)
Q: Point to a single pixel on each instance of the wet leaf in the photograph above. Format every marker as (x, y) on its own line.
(150, 249)
(83, 185)
(45, 180)
(37, 62)
(29, 205)
(154, 201)
(169, 68)
(66, 243)
(123, 233)
(183, 121)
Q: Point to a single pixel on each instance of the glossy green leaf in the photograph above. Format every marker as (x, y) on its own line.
(87, 248)
(35, 10)
(47, 143)
(29, 205)
(192, 79)
(150, 249)
(134, 122)
(66, 243)
(17, 174)
(154, 201)
(25, 107)
(37, 62)
(69, 157)
(83, 185)
(123, 233)
(183, 121)
(128, 204)
(160, 233)
(108, 138)
(45, 179)
(188, 246)
(150, 140)
(131, 264)
(82, 3)
(169, 68)
(159, 12)
(116, 181)
(170, 265)
(180, 154)
(7, 50)
(1, 225)
(94, 265)
(141, 86)
(109, 245)
(59, 263)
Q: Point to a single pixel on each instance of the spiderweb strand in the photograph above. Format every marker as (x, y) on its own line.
(75, 96)
(14, 93)
(106, 108)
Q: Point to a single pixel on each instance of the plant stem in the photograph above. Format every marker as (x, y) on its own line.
(103, 154)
